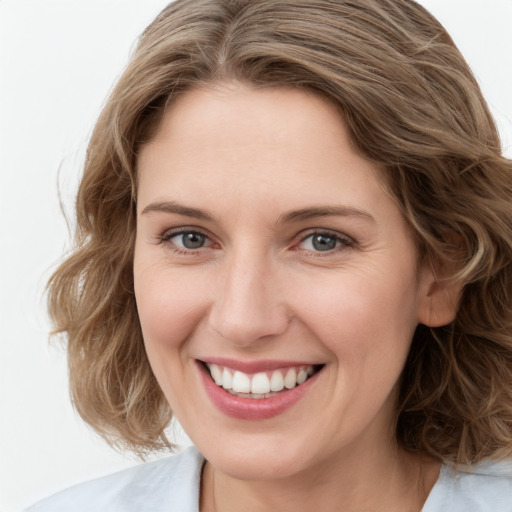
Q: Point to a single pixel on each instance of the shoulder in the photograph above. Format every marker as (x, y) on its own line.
(157, 486)
(484, 488)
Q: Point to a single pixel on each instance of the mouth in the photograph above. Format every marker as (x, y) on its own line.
(262, 384)
(257, 390)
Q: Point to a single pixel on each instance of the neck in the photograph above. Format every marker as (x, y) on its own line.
(394, 481)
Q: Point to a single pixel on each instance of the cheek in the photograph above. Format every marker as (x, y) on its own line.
(363, 316)
(169, 307)
(169, 311)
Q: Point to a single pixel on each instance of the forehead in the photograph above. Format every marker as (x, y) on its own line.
(255, 143)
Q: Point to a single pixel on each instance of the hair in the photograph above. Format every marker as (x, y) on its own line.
(411, 105)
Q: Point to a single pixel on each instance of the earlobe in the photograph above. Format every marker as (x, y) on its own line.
(440, 300)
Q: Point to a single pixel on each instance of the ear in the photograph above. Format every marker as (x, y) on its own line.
(439, 297)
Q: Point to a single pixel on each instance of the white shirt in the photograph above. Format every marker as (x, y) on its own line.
(173, 484)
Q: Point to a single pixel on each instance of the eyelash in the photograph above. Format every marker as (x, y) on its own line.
(166, 237)
(342, 241)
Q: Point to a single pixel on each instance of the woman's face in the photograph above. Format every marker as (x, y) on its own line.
(268, 252)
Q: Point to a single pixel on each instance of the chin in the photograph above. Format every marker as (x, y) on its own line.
(255, 467)
(262, 458)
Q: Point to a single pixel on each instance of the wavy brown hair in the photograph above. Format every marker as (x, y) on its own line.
(411, 105)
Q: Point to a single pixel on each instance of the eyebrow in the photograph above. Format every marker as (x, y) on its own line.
(323, 211)
(173, 207)
(287, 218)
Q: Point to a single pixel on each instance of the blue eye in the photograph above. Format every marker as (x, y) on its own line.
(192, 240)
(187, 240)
(324, 242)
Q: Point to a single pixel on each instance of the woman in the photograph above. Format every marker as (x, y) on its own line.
(295, 233)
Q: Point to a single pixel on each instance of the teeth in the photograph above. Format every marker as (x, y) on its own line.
(276, 381)
(216, 374)
(260, 384)
(290, 379)
(302, 376)
(241, 383)
(227, 379)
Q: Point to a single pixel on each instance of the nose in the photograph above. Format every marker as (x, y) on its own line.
(248, 305)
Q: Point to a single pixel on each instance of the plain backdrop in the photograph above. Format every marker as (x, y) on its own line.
(58, 60)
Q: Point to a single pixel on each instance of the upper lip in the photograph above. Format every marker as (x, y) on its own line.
(262, 365)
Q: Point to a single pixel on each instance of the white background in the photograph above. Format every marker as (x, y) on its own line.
(58, 60)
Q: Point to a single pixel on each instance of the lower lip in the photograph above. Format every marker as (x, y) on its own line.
(253, 408)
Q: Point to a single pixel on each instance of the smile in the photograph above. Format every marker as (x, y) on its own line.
(259, 385)
(258, 390)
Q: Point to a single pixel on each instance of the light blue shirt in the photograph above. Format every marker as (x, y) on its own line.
(166, 485)
(173, 484)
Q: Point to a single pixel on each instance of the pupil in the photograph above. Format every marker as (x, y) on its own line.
(324, 243)
(193, 240)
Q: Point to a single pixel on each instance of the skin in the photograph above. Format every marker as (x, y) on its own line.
(258, 289)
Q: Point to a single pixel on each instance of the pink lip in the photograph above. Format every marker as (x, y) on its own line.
(251, 367)
(249, 408)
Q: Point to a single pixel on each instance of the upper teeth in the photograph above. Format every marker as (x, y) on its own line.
(259, 383)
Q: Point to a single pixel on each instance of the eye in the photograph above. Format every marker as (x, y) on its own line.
(324, 242)
(186, 239)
